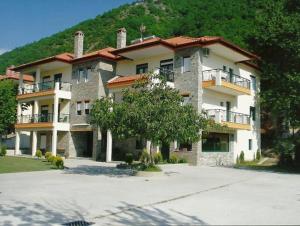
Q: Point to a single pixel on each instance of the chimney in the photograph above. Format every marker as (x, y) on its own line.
(121, 38)
(78, 44)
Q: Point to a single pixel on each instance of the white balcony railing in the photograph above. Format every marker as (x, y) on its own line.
(220, 115)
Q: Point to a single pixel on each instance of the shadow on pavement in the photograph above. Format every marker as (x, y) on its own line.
(129, 214)
(99, 170)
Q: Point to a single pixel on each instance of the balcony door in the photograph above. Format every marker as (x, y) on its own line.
(44, 113)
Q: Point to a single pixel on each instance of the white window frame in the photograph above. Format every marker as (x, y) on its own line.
(78, 107)
(186, 65)
(87, 106)
(87, 74)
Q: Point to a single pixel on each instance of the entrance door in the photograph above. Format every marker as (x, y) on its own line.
(228, 107)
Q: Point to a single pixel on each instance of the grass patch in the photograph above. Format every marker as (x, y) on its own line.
(9, 164)
(253, 165)
(140, 167)
(151, 168)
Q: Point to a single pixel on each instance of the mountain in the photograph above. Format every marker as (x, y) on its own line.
(232, 19)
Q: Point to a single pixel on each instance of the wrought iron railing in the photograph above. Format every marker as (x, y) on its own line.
(228, 116)
(37, 118)
(44, 86)
(225, 76)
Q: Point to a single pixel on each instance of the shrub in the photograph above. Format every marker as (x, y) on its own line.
(51, 158)
(3, 151)
(145, 157)
(47, 155)
(157, 157)
(182, 160)
(129, 158)
(258, 155)
(39, 154)
(58, 162)
(242, 157)
(173, 159)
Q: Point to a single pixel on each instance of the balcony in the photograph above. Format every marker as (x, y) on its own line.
(225, 82)
(45, 89)
(231, 119)
(41, 121)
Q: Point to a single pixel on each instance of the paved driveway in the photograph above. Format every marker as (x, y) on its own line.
(97, 192)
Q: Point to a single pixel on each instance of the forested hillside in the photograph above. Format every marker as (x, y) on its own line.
(232, 19)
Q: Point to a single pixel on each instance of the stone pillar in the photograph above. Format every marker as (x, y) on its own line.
(97, 137)
(109, 146)
(54, 141)
(17, 145)
(78, 44)
(34, 143)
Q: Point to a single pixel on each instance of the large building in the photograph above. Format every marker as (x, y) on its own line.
(212, 74)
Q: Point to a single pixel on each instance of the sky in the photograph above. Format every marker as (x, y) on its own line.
(25, 21)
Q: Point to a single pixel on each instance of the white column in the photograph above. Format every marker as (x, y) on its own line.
(20, 83)
(17, 145)
(56, 86)
(37, 76)
(175, 144)
(54, 141)
(157, 148)
(219, 78)
(19, 113)
(55, 110)
(218, 116)
(34, 143)
(35, 110)
(108, 146)
(148, 146)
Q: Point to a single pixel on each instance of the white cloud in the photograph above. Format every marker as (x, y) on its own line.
(3, 51)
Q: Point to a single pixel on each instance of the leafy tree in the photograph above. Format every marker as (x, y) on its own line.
(8, 106)
(150, 110)
(277, 41)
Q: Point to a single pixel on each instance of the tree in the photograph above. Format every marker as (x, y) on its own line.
(151, 110)
(8, 106)
(277, 41)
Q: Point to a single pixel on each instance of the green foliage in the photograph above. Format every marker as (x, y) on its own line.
(8, 106)
(39, 154)
(48, 155)
(51, 158)
(145, 157)
(3, 150)
(173, 159)
(129, 158)
(258, 155)
(157, 157)
(242, 157)
(165, 18)
(151, 168)
(58, 162)
(182, 160)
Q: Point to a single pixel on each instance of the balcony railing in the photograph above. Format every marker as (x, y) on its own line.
(225, 76)
(37, 118)
(220, 115)
(167, 74)
(44, 86)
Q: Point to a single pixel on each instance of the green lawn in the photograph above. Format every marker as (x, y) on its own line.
(9, 164)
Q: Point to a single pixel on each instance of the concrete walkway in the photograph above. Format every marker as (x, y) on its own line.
(99, 193)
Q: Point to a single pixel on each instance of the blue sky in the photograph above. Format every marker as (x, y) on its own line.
(25, 21)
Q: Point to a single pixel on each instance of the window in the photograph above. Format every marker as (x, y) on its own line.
(139, 143)
(78, 108)
(186, 64)
(87, 107)
(166, 69)
(186, 99)
(224, 68)
(215, 142)
(222, 104)
(250, 144)
(80, 75)
(87, 74)
(253, 82)
(141, 68)
(185, 147)
(252, 113)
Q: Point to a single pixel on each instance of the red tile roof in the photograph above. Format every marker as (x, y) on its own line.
(26, 78)
(124, 80)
